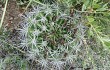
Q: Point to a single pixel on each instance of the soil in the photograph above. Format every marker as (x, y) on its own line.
(12, 19)
(12, 15)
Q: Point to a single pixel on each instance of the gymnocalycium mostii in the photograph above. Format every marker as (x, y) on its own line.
(51, 35)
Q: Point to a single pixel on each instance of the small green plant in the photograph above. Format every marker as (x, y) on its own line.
(58, 35)
(50, 35)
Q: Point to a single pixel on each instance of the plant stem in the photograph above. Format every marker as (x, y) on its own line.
(3, 13)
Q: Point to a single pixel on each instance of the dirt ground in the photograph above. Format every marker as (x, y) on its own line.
(12, 19)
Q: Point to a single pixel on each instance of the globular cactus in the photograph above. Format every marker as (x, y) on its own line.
(51, 36)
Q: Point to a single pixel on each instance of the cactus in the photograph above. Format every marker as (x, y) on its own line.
(51, 35)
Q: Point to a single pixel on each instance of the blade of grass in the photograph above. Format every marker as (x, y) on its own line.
(38, 2)
(30, 1)
(3, 14)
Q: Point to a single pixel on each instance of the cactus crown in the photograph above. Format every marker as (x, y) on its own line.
(51, 34)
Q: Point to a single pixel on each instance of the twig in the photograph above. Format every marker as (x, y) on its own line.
(3, 13)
